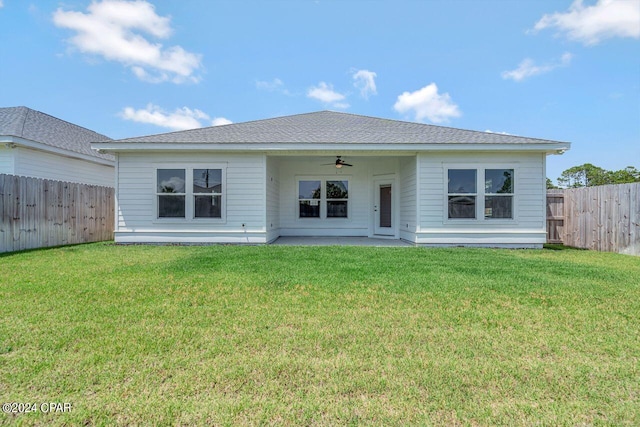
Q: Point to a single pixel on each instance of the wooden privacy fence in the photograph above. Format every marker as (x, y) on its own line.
(603, 218)
(37, 213)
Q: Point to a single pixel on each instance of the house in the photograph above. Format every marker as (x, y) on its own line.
(38, 145)
(332, 174)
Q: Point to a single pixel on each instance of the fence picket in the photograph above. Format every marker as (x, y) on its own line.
(38, 213)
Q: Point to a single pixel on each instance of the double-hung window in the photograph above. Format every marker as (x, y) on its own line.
(480, 194)
(171, 193)
(498, 193)
(323, 198)
(337, 196)
(207, 193)
(462, 193)
(190, 193)
(309, 198)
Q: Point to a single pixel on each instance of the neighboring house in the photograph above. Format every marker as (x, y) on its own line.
(38, 145)
(253, 182)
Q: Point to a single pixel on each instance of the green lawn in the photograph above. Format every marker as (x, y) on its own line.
(233, 335)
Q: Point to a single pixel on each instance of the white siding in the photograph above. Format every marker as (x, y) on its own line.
(408, 202)
(527, 229)
(244, 192)
(273, 199)
(6, 160)
(40, 164)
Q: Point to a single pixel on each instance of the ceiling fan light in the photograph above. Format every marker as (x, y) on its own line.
(339, 165)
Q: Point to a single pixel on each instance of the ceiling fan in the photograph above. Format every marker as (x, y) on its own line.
(338, 163)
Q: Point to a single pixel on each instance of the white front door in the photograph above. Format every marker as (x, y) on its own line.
(383, 208)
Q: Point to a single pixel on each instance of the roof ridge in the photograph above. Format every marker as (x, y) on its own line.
(24, 120)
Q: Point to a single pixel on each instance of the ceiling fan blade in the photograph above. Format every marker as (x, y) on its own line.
(338, 163)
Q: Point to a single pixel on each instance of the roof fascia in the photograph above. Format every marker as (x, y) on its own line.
(21, 142)
(550, 148)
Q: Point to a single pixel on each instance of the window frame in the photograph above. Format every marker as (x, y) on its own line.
(481, 193)
(496, 194)
(474, 195)
(190, 195)
(212, 194)
(307, 199)
(335, 199)
(323, 200)
(182, 195)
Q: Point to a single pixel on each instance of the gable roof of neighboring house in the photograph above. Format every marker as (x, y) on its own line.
(49, 131)
(328, 127)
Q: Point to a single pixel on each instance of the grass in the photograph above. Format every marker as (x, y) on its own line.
(231, 335)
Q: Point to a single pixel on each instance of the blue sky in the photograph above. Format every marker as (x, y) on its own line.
(561, 70)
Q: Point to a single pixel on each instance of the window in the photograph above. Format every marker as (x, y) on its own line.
(462, 193)
(319, 198)
(309, 195)
(190, 193)
(467, 198)
(498, 190)
(171, 193)
(337, 195)
(207, 193)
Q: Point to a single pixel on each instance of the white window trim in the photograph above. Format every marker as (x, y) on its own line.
(189, 194)
(480, 193)
(323, 198)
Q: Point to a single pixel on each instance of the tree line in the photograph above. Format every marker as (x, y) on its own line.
(588, 175)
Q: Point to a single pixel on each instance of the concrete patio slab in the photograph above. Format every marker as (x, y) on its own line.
(339, 241)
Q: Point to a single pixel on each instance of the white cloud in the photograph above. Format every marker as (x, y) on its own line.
(499, 133)
(592, 24)
(365, 80)
(528, 68)
(565, 59)
(427, 103)
(275, 85)
(1, 4)
(324, 92)
(270, 86)
(181, 119)
(220, 121)
(341, 105)
(114, 30)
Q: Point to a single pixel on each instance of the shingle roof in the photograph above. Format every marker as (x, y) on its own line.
(23, 122)
(332, 127)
